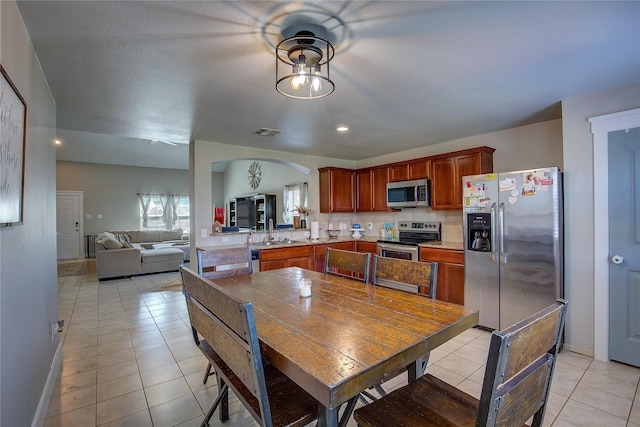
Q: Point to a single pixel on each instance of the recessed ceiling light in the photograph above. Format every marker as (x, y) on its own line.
(342, 128)
(57, 142)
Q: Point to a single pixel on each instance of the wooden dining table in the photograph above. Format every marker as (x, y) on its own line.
(347, 336)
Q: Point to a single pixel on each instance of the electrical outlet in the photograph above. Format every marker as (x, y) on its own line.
(343, 226)
(224, 239)
(369, 226)
(203, 232)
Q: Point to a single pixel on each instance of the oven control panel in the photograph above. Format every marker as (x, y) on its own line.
(425, 227)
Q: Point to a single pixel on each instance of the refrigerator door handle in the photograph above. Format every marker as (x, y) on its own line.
(503, 257)
(494, 249)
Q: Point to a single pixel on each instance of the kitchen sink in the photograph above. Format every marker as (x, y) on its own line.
(280, 242)
(272, 243)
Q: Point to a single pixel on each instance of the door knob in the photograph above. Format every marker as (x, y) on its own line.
(617, 259)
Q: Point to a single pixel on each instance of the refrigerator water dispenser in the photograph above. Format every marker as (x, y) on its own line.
(479, 232)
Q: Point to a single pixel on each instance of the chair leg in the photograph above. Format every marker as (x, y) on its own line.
(207, 373)
(348, 410)
(380, 390)
(224, 403)
(222, 397)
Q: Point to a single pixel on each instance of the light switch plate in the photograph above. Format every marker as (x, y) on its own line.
(203, 232)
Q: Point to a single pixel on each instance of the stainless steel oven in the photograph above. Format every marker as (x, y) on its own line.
(398, 250)
(410, 234)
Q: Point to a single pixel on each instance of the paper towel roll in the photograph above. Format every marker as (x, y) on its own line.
(315, 229)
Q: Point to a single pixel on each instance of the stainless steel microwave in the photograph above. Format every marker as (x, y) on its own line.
(409, 194)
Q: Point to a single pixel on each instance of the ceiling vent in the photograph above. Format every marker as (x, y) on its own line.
(267, 132)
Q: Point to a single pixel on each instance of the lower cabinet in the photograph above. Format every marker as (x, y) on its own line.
(294, 256)
(369, 247)
(320, 253)
(450, 285)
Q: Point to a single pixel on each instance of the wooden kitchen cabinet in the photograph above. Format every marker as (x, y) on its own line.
(320, 253)
(368, 247)
(399, 172)
(447, 172)
(337, 190)
(294, 256)
(417, 169)
(371, 189)
(420, 169)
(450, 285)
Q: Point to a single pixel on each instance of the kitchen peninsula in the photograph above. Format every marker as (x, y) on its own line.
(287, 251)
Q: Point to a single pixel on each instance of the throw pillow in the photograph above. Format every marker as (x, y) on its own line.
(110, 242)
(126, 244)
(123, 238)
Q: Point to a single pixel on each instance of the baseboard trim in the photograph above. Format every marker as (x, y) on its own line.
(583, 351)
(47, 392)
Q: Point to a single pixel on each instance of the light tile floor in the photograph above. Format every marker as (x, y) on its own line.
(129, 360)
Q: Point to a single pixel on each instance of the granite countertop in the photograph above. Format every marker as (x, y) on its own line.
(303, 242)
(458, 246)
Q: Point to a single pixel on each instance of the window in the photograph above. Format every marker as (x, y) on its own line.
(293, 195)
(162, 212)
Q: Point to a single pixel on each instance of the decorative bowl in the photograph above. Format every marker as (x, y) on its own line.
(333, 234)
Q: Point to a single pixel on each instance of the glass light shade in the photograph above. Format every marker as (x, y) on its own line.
(301, 60)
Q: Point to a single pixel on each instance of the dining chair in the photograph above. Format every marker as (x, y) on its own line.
(412, 276)
(222, 262)
(405, 275)
(516, 383)
(354, 265)
(225, 331)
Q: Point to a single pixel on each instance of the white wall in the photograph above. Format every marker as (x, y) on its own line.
(29, 357)
(203, 153)
(579, 205)
(525, 147)
(110, 190)
(274, 176)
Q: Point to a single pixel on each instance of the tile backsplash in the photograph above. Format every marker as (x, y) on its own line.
(451, 221)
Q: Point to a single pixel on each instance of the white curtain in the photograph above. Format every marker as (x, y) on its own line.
(144, 200)
(164, 201)
(171, 210)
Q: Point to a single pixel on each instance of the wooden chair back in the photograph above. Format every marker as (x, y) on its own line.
(520, 367)
(354, 265)
(516, 384)
(224, 262)
(226, 334)
(397, 273)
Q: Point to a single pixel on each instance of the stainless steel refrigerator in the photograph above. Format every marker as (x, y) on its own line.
(513, 238)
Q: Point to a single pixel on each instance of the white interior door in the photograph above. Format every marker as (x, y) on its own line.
(69, 224)
(624, 244)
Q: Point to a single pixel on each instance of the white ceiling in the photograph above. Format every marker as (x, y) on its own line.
(407, 73)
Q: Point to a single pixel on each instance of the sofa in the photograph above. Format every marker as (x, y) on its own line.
(131, 253)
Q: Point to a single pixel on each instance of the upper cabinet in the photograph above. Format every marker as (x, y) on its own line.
(420, 169)
(371, 189)
(417, 169)
(337, 190)
(447, 171)
(365, 190)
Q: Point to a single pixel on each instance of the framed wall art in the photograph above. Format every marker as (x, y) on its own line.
(13, 120)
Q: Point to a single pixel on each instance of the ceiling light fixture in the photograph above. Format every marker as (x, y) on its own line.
(302, 66)
(342, 128)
